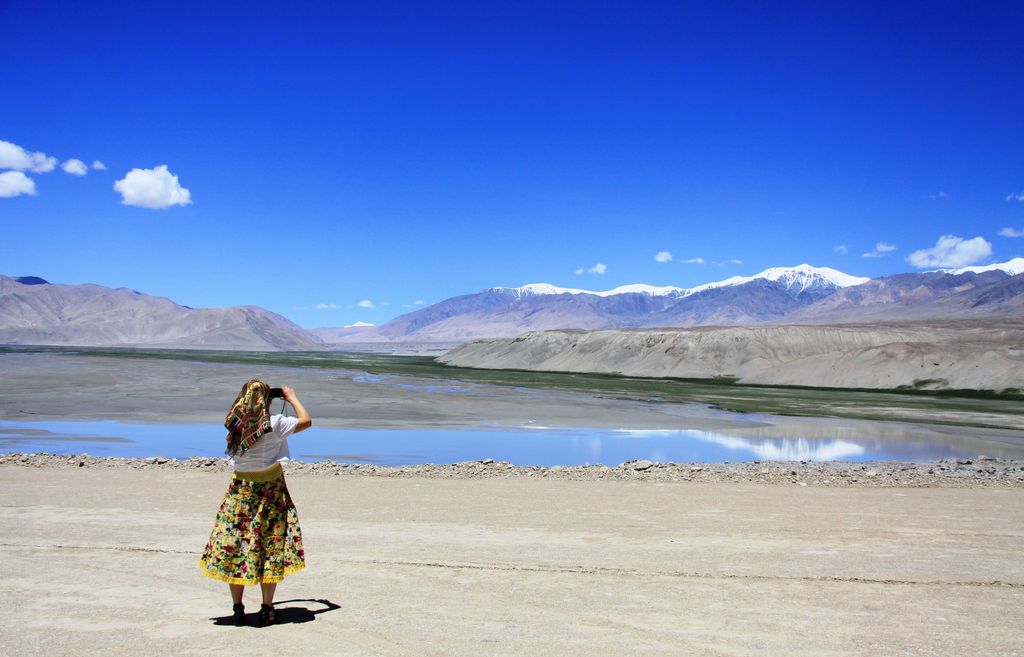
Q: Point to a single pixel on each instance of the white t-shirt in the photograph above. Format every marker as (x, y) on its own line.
(270, 448)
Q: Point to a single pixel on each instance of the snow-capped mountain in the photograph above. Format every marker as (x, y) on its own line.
(510, 311)
(796, 279)
(800, 294)
(1011, 267)
(33, 311)
(548, 289)
(989, 290)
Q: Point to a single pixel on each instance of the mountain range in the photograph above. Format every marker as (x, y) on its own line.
(801, 294)
(34, 311)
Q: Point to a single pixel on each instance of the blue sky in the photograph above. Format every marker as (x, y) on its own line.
(411, 152)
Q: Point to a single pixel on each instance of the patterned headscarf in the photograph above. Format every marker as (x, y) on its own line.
(249, 417)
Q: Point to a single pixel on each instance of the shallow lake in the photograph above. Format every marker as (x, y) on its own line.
(532, 445)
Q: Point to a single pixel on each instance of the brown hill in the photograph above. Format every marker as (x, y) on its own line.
(957, 355)
(33, 311)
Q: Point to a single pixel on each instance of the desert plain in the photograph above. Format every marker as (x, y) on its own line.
(101, 554)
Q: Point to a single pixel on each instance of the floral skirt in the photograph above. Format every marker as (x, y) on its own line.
(256, 538)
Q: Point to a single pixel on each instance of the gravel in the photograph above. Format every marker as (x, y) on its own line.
(978, 472)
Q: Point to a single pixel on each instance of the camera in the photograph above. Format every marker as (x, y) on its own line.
(276, 393)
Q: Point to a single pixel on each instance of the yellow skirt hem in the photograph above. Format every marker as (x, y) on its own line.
(252, 581)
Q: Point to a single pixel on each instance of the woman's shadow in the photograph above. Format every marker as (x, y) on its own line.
(285, 615)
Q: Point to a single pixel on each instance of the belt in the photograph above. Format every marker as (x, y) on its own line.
(259, 476)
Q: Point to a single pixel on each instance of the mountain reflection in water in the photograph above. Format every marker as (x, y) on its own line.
(784, 449)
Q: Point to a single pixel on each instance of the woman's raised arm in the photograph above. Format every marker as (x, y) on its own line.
(301, 414)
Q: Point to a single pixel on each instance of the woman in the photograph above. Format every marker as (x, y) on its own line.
(256, 539)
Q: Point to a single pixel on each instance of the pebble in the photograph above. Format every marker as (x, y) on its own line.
(945, 473)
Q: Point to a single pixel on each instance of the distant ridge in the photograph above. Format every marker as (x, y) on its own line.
(800, 276)
(1011, 267)
(780, 295)
(944, 294)
(34, 311)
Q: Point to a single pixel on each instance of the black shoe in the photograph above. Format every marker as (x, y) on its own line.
(239, 615)
(267, 616)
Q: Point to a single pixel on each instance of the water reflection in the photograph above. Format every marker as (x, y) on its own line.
(527, 445)
(396, 381)
(786, 449)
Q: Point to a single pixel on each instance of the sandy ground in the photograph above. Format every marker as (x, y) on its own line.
(103, 562)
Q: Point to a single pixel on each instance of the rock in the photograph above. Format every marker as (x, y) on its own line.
(641, 465)
(871, 473)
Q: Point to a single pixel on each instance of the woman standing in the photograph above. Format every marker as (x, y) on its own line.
(256, 538)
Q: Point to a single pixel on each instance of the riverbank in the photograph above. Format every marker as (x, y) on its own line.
(939, 355)
(979, 472)
(341, 393)
(103, 560)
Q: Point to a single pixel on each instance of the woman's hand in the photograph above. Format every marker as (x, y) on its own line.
(305, 421)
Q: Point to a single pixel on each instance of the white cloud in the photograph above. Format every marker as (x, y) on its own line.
(15, 183)
(15, 157)
(936, 197)
(951, 251)
(663, 256)
(358, 325)
(1016, 196)
(694, 261)
(418, 302)
(99, 166)
(599, 268)
(841, 249)
(733, 261)
(1011, 232)
(152, 188)
(75, 167)
(881, 249)
(366, 303)
(326, 306)
(580, 271)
